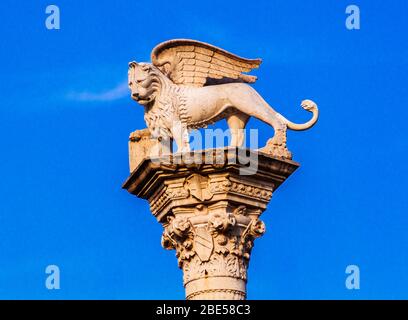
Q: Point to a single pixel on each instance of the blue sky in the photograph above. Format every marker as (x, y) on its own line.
(65, 116)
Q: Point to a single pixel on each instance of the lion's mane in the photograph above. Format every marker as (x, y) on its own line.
(168, 106)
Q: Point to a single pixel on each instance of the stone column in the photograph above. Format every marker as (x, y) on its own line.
(210, 206)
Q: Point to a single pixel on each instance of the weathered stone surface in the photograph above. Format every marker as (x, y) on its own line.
(210, 214)
(209, 202)
(191, 84)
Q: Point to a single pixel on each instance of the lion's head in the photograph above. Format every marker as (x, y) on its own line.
(158, 94)
(143, 82)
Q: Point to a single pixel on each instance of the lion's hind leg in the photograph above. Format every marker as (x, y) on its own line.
(249, 102)
(276, 146)
(236, 123)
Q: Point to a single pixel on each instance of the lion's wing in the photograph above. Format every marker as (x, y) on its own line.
(194, 63)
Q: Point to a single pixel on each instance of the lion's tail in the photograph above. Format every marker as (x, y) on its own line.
(310, 106)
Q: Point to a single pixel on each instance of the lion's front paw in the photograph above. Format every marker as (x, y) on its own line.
(308, 105)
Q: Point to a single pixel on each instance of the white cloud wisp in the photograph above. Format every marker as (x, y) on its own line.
(119, 92)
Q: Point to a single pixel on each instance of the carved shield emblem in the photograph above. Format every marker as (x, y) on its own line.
(203, 244)
(198, 187)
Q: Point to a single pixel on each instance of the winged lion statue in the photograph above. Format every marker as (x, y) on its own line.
(191, 84)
